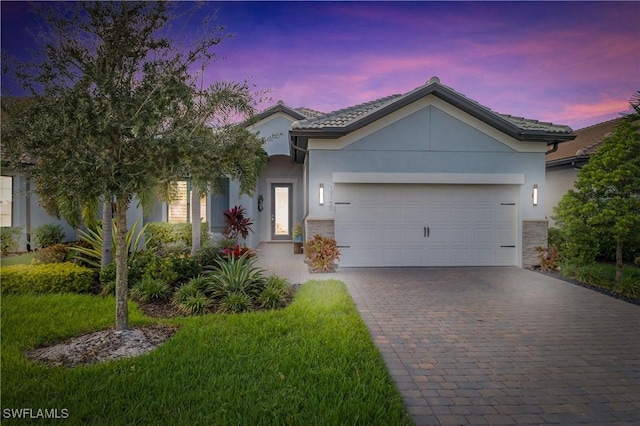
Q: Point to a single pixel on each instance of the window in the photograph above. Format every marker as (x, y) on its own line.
(6, 200)
(179, 210)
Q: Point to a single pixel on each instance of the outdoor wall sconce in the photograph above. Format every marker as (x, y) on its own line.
(534, 194)
(322, 194)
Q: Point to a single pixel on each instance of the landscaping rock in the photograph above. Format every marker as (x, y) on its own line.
(103, 346)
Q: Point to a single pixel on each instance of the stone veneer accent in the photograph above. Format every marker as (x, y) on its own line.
(324, 227)
(534, 234)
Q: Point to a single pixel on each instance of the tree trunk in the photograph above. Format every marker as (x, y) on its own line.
(195, 219)
(122, 289)
(618, 261)
(107, 239)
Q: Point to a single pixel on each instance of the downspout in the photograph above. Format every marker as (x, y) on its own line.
(554, 149)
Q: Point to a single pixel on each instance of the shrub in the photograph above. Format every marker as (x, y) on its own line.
(276, 293)
(9, 239)
(149, 290)
(593, 275)
(158, 268)
(209, 254)
(163, 234)
(628, 286)
(237, 224)
(47, 278)
(549, 258)
(185, 267)
(235, 302)
(56, 253)
(48, 235)
(322, 253)
(189, 300)
(177, 247)
(200, 283)
(236, 276)
(237, 251)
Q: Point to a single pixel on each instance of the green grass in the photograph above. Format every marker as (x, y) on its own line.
(310, 363)
(20, 259)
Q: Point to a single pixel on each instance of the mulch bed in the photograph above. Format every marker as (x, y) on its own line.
(602, 290)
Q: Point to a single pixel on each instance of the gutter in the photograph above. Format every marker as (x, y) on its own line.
(554, 149)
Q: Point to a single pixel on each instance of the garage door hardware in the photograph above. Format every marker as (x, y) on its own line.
(507, 204)
(427, 231)
(337, 202)
(343, 246)
(508, 246)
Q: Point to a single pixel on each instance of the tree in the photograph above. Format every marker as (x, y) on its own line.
(113, 110)
(606, 202)
(230, 152)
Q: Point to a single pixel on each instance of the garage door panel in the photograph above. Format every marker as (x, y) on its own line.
(386, 223)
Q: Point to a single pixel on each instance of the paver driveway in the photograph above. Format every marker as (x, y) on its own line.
(502, 345)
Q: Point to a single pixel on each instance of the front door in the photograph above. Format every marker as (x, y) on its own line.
(281, 210)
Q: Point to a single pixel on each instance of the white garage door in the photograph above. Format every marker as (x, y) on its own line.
(425, 225)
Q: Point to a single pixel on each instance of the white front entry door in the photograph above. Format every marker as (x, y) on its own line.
(426, 225)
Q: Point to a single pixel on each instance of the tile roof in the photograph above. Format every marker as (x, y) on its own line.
(345, 116)
(349, 119)
(309, 113)
(585, 143)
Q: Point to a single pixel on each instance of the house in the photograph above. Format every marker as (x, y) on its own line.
(563, 164)
(425, 178)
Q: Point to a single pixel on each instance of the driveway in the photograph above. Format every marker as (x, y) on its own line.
(501, 345)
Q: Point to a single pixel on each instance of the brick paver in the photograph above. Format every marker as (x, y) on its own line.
(496, 345)
(503, 345)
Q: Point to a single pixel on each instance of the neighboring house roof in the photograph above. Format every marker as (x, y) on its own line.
(577, 151)
(339, 123)
(297, 113)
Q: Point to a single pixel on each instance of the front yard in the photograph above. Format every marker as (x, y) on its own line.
(310, 363)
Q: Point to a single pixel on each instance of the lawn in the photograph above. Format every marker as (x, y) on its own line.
(18, 259)
(310, 363)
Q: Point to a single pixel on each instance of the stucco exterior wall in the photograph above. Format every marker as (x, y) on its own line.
(559, 181)
(429, 140)
(280, 169)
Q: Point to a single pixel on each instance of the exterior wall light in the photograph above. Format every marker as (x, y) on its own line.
(534, 194)
(321, 194)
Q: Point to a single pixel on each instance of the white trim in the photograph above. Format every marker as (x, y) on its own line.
(432, 178)
(268, 200)
(273, 116)
(430, 100)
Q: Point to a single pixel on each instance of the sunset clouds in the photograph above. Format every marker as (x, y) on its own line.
(574, 63)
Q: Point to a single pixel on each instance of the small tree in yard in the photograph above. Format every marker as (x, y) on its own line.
(113, 110)
(606, 201)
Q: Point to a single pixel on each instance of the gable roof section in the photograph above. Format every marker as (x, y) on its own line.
(585, 143)
(297, 113)
(341, 122)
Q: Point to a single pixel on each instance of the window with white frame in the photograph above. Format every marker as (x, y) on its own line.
(179, 210)
(6, 200)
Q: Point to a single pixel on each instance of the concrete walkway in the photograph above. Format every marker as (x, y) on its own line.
(494, 345)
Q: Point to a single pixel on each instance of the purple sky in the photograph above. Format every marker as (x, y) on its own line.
(575, 63)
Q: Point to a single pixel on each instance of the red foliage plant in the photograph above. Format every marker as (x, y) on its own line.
(237, 251)
(322, 253)
(237, 223)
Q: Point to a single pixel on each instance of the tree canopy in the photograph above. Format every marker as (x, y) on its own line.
(606, 201)
(115, 109)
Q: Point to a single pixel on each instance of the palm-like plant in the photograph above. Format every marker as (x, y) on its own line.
(92, 255)
(236, 278)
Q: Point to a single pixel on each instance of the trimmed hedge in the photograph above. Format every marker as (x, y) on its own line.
(47, 278)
